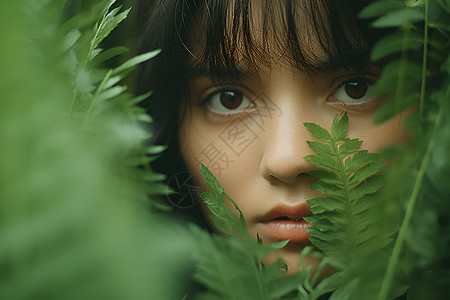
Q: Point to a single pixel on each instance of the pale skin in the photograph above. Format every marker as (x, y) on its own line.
(262, 166)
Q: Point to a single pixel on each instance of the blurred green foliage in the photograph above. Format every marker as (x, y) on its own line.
(73, 224)
(79, 211)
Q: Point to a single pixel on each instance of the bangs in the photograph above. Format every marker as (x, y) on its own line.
(228, 39)
(311, 36)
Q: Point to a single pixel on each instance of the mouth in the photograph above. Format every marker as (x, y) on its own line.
(286, 222)
(288, 213)
(285, 218)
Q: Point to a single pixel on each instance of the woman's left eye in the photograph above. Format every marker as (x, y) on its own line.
(228, 102)
(355, 90)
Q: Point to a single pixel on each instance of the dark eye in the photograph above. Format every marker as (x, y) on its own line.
(229, 101)
(357, 90)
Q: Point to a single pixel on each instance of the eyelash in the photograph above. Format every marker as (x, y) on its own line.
(368, 80)
(361, 105)
(207, 102)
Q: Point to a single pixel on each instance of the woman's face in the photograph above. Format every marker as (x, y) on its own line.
(249, 132)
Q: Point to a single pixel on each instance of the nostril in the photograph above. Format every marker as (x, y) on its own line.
(283, 154)
(276, 178)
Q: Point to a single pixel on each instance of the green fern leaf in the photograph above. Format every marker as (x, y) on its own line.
(399, 18)
(321, 148)
(225, 220)
(344, 222)
(349, 146)
(101, 57)
(318, 132)
(135, 61)
(110, 21)
(403, 70)
(378, 8)
(324, 162)
(339, 128)
(395, 43)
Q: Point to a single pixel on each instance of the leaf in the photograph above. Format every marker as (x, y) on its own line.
(111, 93)
(396, 43)
(155, 149)
(58, 6)
(108, 54)
(324, 162)
(224, 219)
(339, 127)
(70, 39)
(320, 148)
(330, 283)
(210, 180)
(78, 212)
(215, 266)
(378, 8)
(274, 271)
(108, 5)
(109, 22)
(111, 82)
(360, 158)
(395, 106)
(350, 146)
(329, 189)
(399, 18)
(327, 176)
(138, 99)
(409, 73)
(363, 173)
(152, 177)
(144, 118)
(444, 4)
(318, 132)
(366, 203)
(345, 218)
(135, 61)
(345, 291)
(227, 268)
(321, 204)
(370, 186)
(320, 223)
(284, 286)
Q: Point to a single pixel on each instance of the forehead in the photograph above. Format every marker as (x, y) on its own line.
(307, 35)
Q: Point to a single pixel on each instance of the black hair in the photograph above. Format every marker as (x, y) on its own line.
(230, 40)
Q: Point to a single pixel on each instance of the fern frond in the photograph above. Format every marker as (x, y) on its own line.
(70, 225)
(344, 223)
(232, 267)
(422, 48)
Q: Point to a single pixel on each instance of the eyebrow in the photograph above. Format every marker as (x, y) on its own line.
(219, 73)
(358, 60)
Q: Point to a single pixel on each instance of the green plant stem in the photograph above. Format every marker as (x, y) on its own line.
(424, 63)
(97, 32)
(393, 260)
(401, 71)
(88, 58)
(348, 202)
(95, 100)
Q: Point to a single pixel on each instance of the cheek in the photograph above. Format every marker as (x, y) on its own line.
(378, 136)
(230, 150)
(193, 143)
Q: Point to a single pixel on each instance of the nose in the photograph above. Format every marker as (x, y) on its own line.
(285, 146)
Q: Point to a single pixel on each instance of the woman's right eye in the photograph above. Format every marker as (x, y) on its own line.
(228, 102)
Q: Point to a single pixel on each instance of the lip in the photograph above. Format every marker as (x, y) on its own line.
(285, 222)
